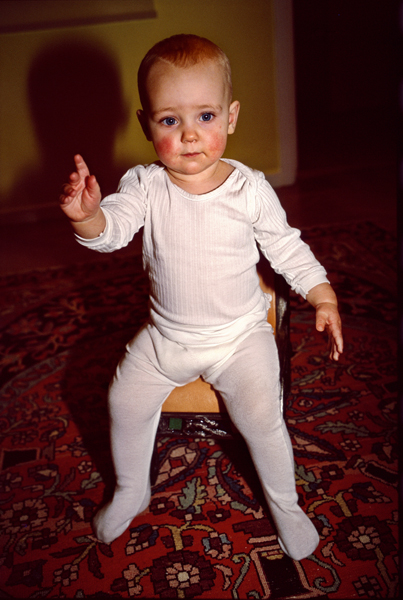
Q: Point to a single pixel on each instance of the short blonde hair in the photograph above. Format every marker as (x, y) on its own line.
(182, 50)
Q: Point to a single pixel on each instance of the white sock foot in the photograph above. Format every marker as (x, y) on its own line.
(301, 541)
(115, 517)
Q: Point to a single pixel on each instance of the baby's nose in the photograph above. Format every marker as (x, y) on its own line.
(189, 134)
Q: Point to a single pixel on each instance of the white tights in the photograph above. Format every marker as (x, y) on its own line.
(248, 382)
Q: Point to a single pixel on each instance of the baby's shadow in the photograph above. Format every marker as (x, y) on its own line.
(76, 102)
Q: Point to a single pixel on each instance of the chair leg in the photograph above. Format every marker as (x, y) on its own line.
(283, 335)
(155, 464)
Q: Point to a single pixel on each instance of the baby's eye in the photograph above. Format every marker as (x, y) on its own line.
(169, 121)
(206, 117)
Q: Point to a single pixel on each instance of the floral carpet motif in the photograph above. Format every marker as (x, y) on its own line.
(207, 532)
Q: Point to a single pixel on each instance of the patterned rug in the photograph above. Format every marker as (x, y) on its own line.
(207, 532)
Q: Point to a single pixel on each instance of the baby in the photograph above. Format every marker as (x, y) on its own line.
(204, 218)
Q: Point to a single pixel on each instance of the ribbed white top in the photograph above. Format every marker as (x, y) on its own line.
(200, 252)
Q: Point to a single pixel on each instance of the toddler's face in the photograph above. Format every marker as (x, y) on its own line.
(189, 117)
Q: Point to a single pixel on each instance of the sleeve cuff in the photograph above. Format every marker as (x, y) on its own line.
(310, 283)
(94, 242)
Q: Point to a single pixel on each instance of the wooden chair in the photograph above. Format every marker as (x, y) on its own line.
(196, 409)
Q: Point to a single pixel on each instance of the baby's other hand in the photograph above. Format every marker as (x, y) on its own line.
(81, 197)
(328, 318)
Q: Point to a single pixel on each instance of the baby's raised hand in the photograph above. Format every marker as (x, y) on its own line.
(81, 197)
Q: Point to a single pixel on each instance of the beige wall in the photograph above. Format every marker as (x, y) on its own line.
(73, 89)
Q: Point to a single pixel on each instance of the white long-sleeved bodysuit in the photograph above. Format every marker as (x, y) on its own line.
(207, 317)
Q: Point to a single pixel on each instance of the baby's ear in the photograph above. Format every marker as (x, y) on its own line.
(142, 117)
(233, 116)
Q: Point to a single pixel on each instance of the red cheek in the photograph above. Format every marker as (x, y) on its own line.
(217, 143)
(163, 146)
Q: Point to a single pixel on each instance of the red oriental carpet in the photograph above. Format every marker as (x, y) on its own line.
(207, 532)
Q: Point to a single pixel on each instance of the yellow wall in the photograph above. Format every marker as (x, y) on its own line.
(35, 151)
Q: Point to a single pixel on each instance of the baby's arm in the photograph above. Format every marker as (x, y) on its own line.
(80, 201)
(323, 299)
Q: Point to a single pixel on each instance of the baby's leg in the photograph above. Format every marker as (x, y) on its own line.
(135, 399)
(249, 385)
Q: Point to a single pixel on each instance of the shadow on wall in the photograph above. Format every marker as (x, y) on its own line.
(77, 106)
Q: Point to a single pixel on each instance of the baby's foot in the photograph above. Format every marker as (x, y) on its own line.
(115, 517)
(299, 541)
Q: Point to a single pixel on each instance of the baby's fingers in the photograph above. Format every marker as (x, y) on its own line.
(71, 189)
(81, 166)
(334, 354)
(336, 348)
(68, 194)
(92, 193)
(92, 185)
(336, 338)
(320, 322)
